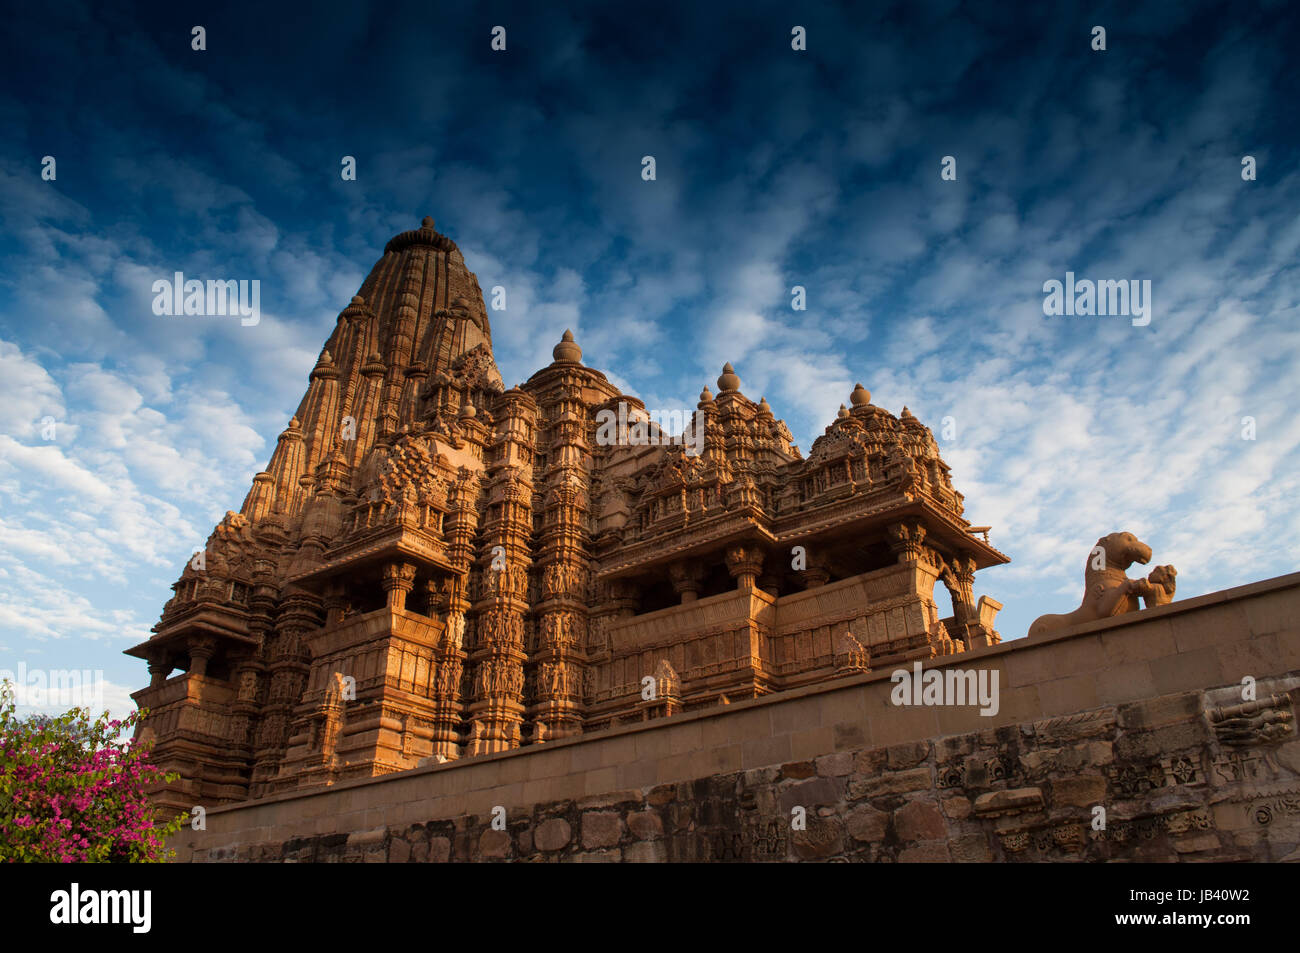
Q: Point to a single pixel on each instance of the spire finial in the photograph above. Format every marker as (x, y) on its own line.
(728, 381)
(567, 350)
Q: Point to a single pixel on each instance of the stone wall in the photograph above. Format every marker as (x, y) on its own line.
(1140, 716)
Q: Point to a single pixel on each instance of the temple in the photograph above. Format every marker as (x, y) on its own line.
(433, 567)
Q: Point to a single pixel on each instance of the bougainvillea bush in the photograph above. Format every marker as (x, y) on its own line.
(72, 791)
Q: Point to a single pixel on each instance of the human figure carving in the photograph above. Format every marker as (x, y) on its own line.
(1163, 582)
(1107, 591)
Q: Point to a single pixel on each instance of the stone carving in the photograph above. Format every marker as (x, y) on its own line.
(455, 630)
(1107, 591)
(501, 627)
(1163, 580)
(556, 680)
(1252, 723)
(666, 680)
(1284, 804)
(497, 677)
(559, 579)
(850, 656)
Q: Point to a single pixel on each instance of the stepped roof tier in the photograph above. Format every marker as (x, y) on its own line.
(433, 567)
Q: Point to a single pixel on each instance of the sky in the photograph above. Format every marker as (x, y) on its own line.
(775, 167)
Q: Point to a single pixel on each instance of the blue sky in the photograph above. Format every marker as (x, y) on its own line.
(775, 168)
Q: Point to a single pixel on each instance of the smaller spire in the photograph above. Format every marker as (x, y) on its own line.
(706, 396)
(728, 381)
(764, 408)
(325, 366)
(468, 411)
(567, 351)
(844, 411)
(356, 308)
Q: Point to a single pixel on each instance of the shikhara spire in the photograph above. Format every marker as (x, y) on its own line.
(433, 567)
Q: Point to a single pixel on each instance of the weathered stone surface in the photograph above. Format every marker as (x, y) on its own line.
(553, 833)
(645, 825)
(970, 849)
(835, 765)
(867, 824)
(999, 802)
(925, 852)
(1080, 790)
(493, 845)
(908, 755)
(601, 829)
(897, 782)
(597, 857)
(364, 840)
(661, 795)
(823, 838)
(848, 735)
(439, 850)
(645, 852)
(956, 808)
(811, 794)
(919, 820)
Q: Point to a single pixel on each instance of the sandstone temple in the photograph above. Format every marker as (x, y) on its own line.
(434, 567)
(456, 622)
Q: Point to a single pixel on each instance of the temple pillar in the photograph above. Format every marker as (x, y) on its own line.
(399, 579)
(905, 539)
(158, 673)
(686, 577)
(744, 562)
(202, 648)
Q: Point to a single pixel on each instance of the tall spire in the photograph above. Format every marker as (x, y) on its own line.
(417, 319)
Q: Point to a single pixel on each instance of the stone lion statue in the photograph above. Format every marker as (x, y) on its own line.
(1107, 591)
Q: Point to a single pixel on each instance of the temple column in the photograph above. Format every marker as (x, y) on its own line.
(202, 648)
(399, 579)
(686, 577)
(158, 673)
(744, 562)
(497, 709)
(905, 539)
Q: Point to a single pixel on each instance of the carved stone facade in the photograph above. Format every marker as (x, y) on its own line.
(433, 567)
(1161, 735)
